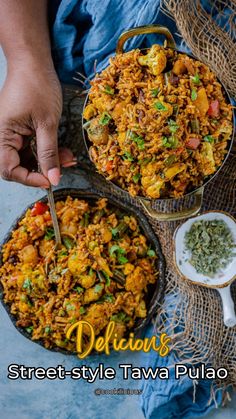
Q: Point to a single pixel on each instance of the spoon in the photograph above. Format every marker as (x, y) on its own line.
(51, 201)
(222, 281)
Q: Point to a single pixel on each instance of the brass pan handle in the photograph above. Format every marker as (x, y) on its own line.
(175, 216)
(139, 30)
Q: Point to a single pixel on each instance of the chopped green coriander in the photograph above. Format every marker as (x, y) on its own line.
(98, 288)
(109, 90)
(193, 94)
(155, 91)
(116, 248)
(105, 118)
(82, 310)
(49, 233)
(79, 290)
(208, 139)
(70, 307)
(159, 106)
(122, 259)
(170, 142)
(47, 329)
(170, 160)
(138, 139)
(195, 79)
(127, 156)
(27, 284)
(29, 329)
(120, 317)
(68, 242)
(136, 177)
(173, 126)
(107, 278)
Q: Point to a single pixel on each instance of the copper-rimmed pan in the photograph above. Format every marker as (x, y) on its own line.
(198, 192)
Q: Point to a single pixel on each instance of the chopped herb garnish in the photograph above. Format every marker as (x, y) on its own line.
(82, 310)
(98, 288)
(127, 156)
(70, 307)
(62, 254)
(170, 160)
(208, 139)
(138, 139)
(122, 260)
(109, 298)
(173, 126)
(91, 272)
(136, 177)
(170, 142)
(195, 79)
(160, 107)
(29, 329)
(105, 118)
(211, 245)
(47, 329)
(107, 278)
(116, 248)
(120, 317)
(27, 284)
(49, 233)
(155, 92)
(109, 90)
(151, 253)
(193, 94)
(78, 289)
(68, 242)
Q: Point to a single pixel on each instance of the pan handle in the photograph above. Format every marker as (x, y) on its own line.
(175, 216)
(139, 30)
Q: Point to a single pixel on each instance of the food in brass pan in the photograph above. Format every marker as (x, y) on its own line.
(102, 271)
(158, 122)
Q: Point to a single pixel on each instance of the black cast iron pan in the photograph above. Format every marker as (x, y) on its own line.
(155, 293)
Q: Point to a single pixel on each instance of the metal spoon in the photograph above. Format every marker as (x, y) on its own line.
(51, 200)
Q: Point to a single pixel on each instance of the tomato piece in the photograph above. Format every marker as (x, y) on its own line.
(214, 109)
(109, 166)
(39, 208)
(193, 143)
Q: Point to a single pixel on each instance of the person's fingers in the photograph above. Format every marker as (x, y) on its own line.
(22, 175)
(11, 170)
(47, 151)
(66, 157)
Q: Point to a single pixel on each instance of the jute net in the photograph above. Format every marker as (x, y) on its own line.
(195, 320)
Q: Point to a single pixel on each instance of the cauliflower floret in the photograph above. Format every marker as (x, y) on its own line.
(155, 59)
(136, 281)
(93, 294)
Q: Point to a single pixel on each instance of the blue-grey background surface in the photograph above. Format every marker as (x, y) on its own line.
(66, 399)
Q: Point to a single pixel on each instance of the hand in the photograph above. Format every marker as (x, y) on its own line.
(31, 104)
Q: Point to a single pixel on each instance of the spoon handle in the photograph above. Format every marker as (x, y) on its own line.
(228, 306)
(54, 216)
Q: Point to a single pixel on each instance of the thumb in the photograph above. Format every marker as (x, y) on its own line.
(47, 150)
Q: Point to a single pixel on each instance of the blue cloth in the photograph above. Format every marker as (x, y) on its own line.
(86, 31)
(83, 31)
(172, 399)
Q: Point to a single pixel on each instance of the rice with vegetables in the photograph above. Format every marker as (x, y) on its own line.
(102, 271)
(158, 122)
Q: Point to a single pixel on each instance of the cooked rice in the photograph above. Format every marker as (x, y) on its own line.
(47, 290)
(158, 122)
